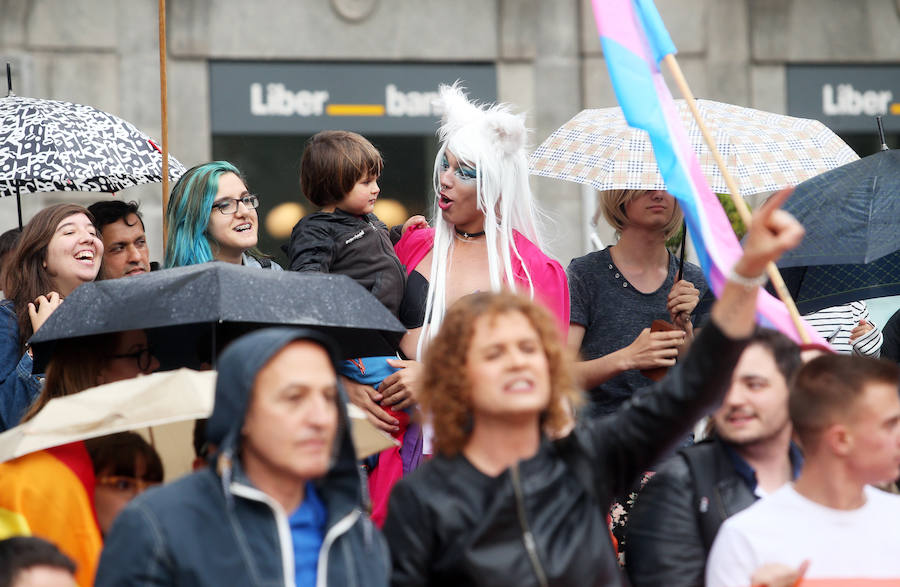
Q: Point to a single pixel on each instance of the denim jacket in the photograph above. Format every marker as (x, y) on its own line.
(18, 386)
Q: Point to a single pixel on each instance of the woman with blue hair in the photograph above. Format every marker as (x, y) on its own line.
(212, 217)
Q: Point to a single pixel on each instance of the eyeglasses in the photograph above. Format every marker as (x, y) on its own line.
(143, 357)
(230, 206)
(130, 485)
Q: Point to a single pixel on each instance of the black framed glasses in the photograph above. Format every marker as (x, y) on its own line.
(230, 205)
(143, 357)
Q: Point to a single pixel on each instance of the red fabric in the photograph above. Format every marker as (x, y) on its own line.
(388, 471)
(549, 278)
(75, 456)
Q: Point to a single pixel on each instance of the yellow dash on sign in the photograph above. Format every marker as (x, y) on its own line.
(354, 110)
(895, 108)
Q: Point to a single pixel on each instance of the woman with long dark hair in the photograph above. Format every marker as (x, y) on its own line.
(58, 250)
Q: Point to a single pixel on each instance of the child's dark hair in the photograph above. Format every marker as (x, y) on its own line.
(18, 554)
(117, 454)
(333, 161)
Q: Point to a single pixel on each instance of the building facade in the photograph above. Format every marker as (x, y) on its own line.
(249, 81)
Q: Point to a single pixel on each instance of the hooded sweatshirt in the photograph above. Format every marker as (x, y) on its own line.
(215, 528)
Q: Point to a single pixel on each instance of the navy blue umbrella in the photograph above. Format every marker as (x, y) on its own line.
(822, 286)
(851, 213)
(852, 246)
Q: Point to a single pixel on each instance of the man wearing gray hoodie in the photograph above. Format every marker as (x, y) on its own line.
(283, 504)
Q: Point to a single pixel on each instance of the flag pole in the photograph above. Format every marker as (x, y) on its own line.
(164, 115)
(735, 194)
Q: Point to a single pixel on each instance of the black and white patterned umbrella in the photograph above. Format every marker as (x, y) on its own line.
(48, 145)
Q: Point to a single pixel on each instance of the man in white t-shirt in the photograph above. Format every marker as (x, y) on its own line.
(846, 415)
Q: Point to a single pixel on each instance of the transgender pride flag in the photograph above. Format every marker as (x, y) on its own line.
(634, 42)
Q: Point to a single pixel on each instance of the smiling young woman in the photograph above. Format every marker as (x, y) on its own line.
(212, 217)
(58, 250)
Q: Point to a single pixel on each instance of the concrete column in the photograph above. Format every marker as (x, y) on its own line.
(557, 98)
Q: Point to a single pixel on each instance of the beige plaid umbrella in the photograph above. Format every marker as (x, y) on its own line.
(763, 151)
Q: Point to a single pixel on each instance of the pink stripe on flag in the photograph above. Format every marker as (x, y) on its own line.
(627, 32)
(648, 104)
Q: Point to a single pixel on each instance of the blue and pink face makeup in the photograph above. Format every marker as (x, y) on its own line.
(463, 171)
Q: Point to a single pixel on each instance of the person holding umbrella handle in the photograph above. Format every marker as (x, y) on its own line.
(619, 291)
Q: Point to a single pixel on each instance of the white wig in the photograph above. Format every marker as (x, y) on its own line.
(492, 140)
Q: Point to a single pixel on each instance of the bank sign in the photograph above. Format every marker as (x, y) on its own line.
(304, 98)
(846, 98)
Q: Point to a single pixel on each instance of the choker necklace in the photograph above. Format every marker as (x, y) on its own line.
(468, 235)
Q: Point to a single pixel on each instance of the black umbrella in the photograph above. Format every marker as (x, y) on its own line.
(188, 309)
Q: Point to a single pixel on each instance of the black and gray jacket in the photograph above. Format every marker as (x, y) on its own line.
(359, 247)
(678, 514)
(543, 521)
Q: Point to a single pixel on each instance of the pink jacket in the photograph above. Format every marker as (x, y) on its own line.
(550, 286)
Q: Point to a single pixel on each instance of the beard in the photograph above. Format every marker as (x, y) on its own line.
(760, 434)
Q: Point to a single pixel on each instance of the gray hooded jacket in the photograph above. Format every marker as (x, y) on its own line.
(216, 528)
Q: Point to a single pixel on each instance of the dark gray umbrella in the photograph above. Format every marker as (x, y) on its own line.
(190, 308)
(851, 214)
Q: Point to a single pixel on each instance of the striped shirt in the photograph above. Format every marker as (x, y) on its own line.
(836, 323)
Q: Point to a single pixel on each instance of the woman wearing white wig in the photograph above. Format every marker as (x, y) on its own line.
(485, 238)
(485, 235)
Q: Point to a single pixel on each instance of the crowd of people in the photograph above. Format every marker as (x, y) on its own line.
(542, 417)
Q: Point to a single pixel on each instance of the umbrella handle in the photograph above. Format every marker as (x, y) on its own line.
(884, 146)
(19, 205)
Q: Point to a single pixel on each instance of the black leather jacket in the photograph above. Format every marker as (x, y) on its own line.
(543, 522)
(359, 247)
(678, 513)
